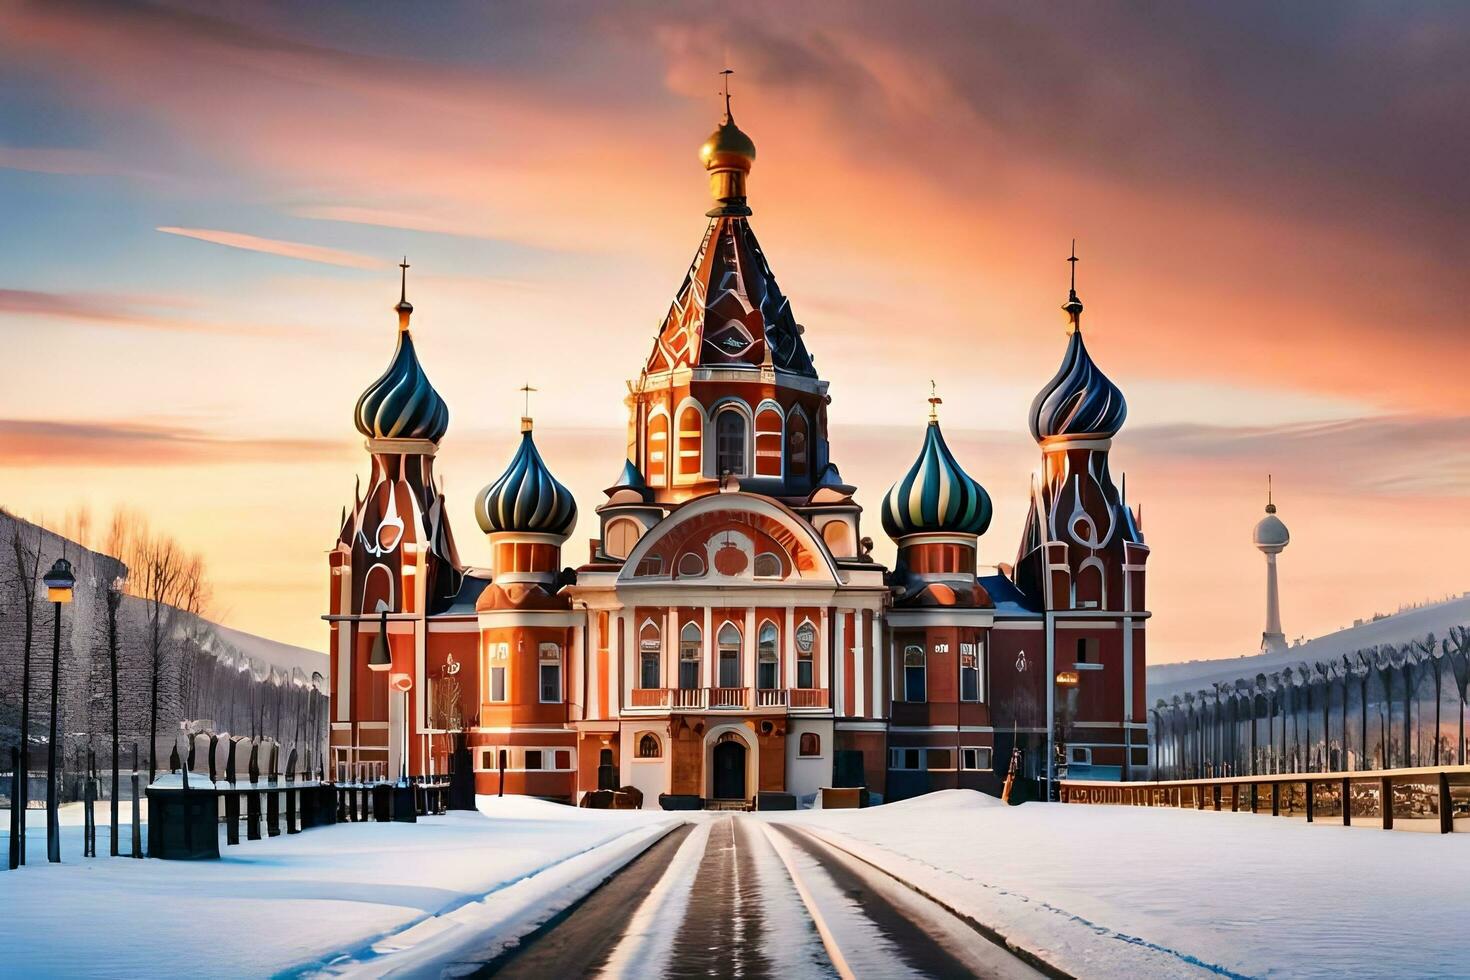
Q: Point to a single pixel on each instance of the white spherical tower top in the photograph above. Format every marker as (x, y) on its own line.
(1271, 535)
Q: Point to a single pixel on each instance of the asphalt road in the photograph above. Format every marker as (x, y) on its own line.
(752, 899)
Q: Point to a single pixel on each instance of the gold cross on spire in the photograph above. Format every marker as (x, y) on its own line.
(727, 73)
(404, 307)
(1073, 260)
(526, 390)
(934, 401)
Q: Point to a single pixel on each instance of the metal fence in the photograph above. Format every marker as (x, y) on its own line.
(1379, 708)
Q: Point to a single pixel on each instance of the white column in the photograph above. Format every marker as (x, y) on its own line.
(747, 670)
(822, 654)
(630, 643)
(788, 648)
(345, 637)
(670, 656)
(707, 661)
(859, 667)
(576, 663)
(594, 675)
(876, 652)
(839, 660)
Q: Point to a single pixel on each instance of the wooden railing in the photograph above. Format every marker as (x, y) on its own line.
(808, 697)
(687, 698)
(770, 697)
(729, 697)
(1438, 793)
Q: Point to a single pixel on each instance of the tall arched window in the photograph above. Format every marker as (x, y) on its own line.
(691, 651)
(729, 639)
(768, 442)
(730, 443)
(913, 673)
(648, 746)
(691, 433)
(658, 449)
(768, 661)
(798, 435)
(806, 645)
(650, 656)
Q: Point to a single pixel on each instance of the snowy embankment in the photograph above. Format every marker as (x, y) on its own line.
(359, 898)
(1126, 891)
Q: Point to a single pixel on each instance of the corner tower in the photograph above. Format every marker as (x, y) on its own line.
(394, 564)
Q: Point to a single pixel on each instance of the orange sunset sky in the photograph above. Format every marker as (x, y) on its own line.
(203, 207)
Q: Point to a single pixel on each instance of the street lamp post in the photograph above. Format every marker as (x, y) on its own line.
(59, 583)
(1066, 681)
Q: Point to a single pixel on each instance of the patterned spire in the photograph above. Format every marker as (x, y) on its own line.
(936, 495)
(402, 404)
(1079, 400)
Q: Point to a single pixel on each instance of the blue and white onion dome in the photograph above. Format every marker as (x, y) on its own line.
(1079, 401)
(402, 404)
(936, 496)
(526, 498)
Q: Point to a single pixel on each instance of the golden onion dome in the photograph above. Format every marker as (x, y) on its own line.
(728, 147)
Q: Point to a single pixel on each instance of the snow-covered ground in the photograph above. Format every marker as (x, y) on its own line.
(1127, 892)
(294, 904)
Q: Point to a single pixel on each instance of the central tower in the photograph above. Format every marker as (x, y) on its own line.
(728, 396)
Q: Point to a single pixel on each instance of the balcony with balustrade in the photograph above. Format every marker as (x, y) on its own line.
(715, 699)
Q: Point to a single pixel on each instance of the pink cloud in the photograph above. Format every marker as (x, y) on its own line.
(275, 246)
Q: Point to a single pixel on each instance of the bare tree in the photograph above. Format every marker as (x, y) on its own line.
(26, 573)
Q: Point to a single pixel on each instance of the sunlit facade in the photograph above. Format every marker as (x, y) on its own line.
(727, 632)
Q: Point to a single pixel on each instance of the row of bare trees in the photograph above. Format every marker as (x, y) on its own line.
(1321, 717)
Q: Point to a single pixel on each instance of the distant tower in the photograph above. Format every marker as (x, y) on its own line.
(1271, 536)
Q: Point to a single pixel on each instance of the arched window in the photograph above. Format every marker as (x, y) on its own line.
(658, 449)
(729, 640)
(730, 443)
(809, 745)
(838, 535)
(768, 443)
(691, 651)
(648, 747)
(621, 536)
(806, 643)
(797, 448)
(691, 432)
(767, 565)
(768, 662)
(650, 656)
(691, 565)
(913, 673)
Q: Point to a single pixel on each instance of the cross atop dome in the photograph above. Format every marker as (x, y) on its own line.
(728, 155)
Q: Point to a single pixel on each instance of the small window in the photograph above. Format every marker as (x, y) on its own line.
(905, 759)
(1081, 757)
(691, 431)
(650, 655)
(729, 639)
(658, 449)
(497, 683)
(730, 443)
(975, 759)
(533, 759)
(809, 745)
(690, 565)
(767, 565)
(550, 673)
(768, 661)
(621, 536)
(1087, 651)
(913, 674)
(691, 651)
(648, 746)
(970, 672)
(806, 641)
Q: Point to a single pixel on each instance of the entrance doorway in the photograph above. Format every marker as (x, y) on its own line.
(729, 765)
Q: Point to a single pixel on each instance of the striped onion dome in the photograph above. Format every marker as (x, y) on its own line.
(936, 495)
(402, 404)
(1079, 400)
(526, 497)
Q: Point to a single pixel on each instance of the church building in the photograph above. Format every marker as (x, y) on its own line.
(726, 631)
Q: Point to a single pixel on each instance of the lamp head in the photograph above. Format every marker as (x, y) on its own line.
(59, 582)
